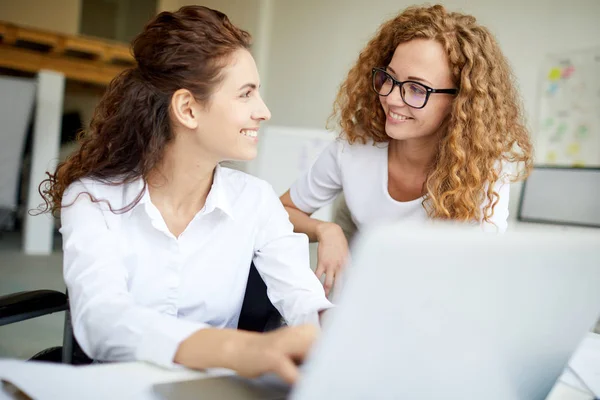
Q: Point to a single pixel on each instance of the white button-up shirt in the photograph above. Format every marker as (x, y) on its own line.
(136, 291)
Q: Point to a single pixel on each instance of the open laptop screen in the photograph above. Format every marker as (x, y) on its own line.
(569, 196)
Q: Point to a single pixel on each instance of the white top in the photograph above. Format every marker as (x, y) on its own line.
(136, 291)
(362, 172)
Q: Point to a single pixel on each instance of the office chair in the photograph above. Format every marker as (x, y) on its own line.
(257, 314)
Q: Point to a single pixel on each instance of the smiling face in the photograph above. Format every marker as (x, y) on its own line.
(227, 127)
(423, 61)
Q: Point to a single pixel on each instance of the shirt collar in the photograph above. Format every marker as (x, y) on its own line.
(131, 192)
(218, 196)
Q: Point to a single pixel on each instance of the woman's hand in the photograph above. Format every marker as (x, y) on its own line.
(279, 352)
(332, 253)
(249, 354)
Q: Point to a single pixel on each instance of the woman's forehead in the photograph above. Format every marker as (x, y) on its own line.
(422, 58)
(241, 70)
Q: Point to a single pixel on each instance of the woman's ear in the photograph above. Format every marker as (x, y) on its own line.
(185, 109)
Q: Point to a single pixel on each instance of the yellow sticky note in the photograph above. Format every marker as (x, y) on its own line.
(554, 74)
(578, 164)
(551, 156)
(573, 149)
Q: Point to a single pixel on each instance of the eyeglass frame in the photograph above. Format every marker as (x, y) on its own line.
(395, 82)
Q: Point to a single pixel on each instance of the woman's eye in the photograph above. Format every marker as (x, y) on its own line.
(416, 89)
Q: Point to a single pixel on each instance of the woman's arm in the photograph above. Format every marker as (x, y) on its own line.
(332, 253)
(316, 188)
(303, 222)
(249, 354)
(281, 257)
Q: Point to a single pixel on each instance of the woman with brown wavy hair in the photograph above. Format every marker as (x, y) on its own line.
(430, 123)
(158, 238)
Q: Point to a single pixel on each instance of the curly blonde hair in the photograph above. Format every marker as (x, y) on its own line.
(485, 127)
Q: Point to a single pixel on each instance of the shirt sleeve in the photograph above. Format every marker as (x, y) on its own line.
(282, 259)
(107, 322)
(321, 183)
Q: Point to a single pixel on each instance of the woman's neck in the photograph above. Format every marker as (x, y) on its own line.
(181, 182)
(414, 155)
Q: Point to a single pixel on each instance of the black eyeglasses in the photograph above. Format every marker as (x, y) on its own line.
(414, 94)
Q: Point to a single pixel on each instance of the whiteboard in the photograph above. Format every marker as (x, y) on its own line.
(568, 123)
(562, 195)
(286, 153)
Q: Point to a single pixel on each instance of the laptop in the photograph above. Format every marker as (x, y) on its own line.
(227, 387)
(447, 312)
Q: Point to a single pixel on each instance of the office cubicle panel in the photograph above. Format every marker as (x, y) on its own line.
(561, 195)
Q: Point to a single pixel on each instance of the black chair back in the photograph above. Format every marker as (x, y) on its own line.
(258, 313)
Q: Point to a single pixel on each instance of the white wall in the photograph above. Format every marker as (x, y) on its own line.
(313, 43)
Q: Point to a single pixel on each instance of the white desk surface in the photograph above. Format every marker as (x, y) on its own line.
(132, 380)
(135, 380)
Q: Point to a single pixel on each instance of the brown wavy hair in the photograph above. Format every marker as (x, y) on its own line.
(131, 125)
(485, 125)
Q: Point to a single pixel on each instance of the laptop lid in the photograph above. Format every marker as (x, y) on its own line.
(448, 312)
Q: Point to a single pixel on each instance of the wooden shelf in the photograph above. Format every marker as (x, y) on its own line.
(80, 58)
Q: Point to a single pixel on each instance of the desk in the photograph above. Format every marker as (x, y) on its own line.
(134, 381)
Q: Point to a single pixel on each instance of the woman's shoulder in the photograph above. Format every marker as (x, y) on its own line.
(250, 198)
(356, 156)
(243, 184)
(115, 191)
(92, 186)
(357, 149)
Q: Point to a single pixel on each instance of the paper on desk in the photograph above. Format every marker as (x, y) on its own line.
(26, 377)
(573, 381)
(565, 392)
(586, 362)
(132, 381)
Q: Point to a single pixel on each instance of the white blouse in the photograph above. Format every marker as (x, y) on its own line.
(136, 291)
(361, 171)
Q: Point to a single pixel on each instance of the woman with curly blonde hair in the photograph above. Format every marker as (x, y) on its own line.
(430, 123)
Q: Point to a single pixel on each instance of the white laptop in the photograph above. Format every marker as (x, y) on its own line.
(450, 313)
(456, 314)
